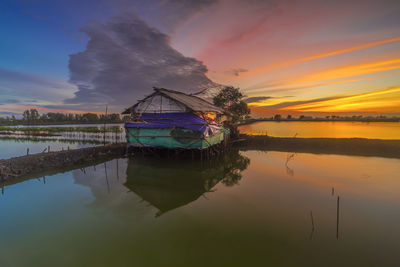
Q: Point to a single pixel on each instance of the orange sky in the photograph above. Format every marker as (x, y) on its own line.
(303, 53)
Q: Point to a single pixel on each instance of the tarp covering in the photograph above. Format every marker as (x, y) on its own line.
(170, 120)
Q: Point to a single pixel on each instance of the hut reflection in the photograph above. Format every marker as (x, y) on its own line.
(171, 183)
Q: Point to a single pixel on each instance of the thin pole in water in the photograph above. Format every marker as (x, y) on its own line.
(105, 170)
(27, 151)
(337, 218)
(104, 132)
(117, 171)
(312, 226)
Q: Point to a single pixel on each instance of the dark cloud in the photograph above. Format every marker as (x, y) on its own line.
(293, 103)
(257, 99)
(124, 59)
(237, 71)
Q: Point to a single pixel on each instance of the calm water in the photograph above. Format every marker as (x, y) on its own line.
(372, 130)
(251, 209)
(16, 148)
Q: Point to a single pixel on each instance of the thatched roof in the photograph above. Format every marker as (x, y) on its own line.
(191, 102)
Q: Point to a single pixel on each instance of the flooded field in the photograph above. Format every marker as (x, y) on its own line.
(14, 148)
(338, 129)
(253, 208)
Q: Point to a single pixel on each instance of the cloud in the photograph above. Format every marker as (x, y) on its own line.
(163, 15)
(8, 101)
(24, 85)
(257, 99)
(124, 59)
(286, 104)
(384, 101)
(269, 67)
(236, 71)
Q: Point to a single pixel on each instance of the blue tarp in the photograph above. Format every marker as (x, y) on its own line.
(168, 120)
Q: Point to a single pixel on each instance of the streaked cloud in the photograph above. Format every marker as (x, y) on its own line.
(279, 65)
(257, 99)
(350, 71)
(22, 86)
(381, 100)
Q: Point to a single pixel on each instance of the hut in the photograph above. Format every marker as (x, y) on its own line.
(172, 119)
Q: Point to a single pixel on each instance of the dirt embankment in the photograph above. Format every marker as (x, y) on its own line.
(343, 146)
(45, 162)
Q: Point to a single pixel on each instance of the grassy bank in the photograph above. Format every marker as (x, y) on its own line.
(343, 146)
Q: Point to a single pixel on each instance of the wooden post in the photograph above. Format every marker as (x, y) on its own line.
(104, 132)
(105, 170)
(27, 151)
(117, 171)
(337, 218)
(312, 226)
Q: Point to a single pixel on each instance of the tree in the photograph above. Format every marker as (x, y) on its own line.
(277, 117)
(26, 115)
(230, 99)
(34, 115)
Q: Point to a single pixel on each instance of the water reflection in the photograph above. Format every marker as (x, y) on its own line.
(254, 214)
(338, 129)
(168, 183)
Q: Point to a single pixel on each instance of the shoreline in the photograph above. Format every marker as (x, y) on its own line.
(316, 120)
(340, 146)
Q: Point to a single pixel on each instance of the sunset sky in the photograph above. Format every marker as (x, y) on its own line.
(288, 57)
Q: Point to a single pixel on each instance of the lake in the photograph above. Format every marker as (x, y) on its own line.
(251, 208)
(337, 129)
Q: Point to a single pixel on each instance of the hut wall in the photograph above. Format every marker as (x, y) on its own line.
(171, 138)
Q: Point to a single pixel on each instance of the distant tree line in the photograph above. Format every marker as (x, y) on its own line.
(279, 117)
(33, 117)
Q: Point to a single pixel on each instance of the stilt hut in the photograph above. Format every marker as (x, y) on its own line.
(172, 119)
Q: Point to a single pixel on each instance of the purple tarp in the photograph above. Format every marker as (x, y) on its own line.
(169, 120)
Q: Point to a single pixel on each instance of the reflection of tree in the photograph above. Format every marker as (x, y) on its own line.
(289, 170)
(170, 183)
(236, 165)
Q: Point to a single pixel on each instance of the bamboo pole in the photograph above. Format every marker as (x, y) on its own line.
(104, 131)
(337, 218)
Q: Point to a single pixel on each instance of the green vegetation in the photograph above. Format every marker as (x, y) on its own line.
(33, 117)
(230, 99)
